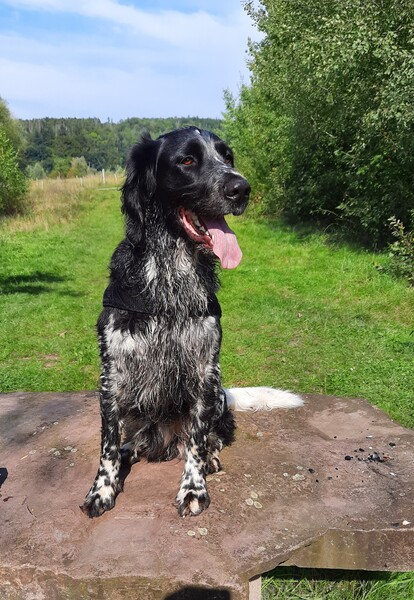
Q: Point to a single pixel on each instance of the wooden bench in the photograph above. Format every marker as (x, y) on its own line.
(329, 485)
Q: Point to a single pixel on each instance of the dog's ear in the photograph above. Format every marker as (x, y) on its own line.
(140, 183)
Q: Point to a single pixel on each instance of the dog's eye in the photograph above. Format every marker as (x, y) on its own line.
(229, 160)
(187, 161)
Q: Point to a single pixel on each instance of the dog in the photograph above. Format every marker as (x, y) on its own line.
(159, 331)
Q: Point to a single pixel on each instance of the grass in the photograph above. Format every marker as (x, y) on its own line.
(308, 316)
(313, 584)
(299, 312)
(51, 279)
(53, 201)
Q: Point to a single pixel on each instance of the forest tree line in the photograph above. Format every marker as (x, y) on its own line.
(70, 146)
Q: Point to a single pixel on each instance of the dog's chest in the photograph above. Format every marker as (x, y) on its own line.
(164, 365)
(176, 283)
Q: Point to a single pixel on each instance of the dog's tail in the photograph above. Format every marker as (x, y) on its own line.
(261, 398)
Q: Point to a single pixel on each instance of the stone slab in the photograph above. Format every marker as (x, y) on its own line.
(288, 495)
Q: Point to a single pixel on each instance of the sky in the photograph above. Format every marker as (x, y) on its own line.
(115, 59)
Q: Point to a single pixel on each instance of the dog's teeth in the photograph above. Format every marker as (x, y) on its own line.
(197, 223)
(195, 220)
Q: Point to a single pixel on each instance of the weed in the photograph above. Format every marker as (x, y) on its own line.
(400, 252)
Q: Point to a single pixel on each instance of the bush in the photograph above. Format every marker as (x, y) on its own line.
(13, 183)
(36, 171)
(78, 167)
(329, 112)
(401, 251)
(257, 137)
(12, 129)
(61, 167)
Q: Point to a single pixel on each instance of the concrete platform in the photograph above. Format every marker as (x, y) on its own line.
(328, 485)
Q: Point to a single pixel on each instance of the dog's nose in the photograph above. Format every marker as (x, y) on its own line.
(237, 189)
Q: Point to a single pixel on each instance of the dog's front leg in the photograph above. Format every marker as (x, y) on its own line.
(192, 497)
(101, 496)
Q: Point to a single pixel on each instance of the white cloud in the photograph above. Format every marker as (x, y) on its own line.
(170, 26)
(140, 63)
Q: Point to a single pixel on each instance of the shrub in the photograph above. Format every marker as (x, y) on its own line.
(258, 138)
(36, 171)
(401, 251)
(78, 167)
(329, 112)
(61, 167)
(13, 183)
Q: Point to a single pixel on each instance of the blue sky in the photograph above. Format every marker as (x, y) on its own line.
(118, 58)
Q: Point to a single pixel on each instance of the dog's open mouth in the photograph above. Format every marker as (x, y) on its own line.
(215, 235)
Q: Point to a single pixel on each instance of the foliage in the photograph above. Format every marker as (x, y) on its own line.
(333, 88)
(61, 166)
(400, 251)
(35, 171)
(55, 143)
(12, 129)
(252, 132)
(13, 183)
(78, 167)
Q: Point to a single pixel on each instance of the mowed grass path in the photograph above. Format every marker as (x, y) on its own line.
(51, 293)
(301, 314)
(297, 313)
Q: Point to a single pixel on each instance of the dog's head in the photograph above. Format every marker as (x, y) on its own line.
(187, 178)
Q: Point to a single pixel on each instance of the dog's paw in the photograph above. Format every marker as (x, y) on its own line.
(192, 502)
(99, 500)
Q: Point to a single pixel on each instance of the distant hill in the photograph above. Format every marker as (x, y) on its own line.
(52, 144)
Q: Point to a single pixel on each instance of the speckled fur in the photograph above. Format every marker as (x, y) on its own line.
(161, 394)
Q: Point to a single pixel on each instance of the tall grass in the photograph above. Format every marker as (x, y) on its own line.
(54, 201)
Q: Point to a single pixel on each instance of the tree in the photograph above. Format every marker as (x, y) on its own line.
(11, 128)
(333, 82)
(13, 184)
(36, 171)
(258, 138)
(78, 167)
(39, 145)
(61, 167)
(104, 145)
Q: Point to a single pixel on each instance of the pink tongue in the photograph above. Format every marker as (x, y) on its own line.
(225, 244)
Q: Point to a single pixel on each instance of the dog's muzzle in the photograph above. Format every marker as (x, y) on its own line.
(237, 191)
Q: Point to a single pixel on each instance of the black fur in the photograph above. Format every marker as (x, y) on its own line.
(159, 332)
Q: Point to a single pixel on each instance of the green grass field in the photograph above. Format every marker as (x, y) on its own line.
(299, 312)
(52, 282)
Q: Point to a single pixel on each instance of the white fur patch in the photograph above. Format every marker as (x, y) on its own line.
(151, 269)
(261, 398)
(122, 342)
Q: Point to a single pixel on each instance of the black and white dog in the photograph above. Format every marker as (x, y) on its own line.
(159, 332)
